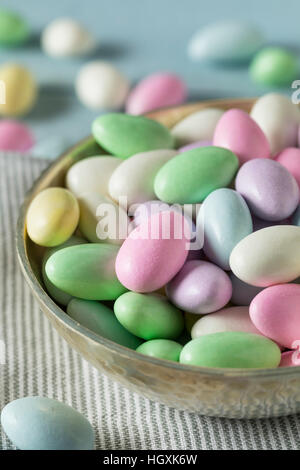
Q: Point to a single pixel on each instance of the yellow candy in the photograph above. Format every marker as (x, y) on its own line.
(52, 217)
(19, 88)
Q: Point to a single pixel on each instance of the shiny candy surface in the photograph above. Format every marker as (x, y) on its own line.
(274, 66)
(197, 126)
(20, 90)
(162, 349)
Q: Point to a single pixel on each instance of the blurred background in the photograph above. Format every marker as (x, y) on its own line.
(140, 37)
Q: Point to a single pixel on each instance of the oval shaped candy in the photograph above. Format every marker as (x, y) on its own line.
(52, 216)
(231, 349)
(15, 136)
(279, 120)
(13, 28)
(242, 293)
(268, 256)
(91, 174)
(197, 126)
(124, 135)
(148, 316)
(153, 252)
(224, 219)
(270, 191)
(159, 90)
(274, 66)
(276, 314)
(161, 348)
(190, 176)
(20, 90)
(238, 132)
(86, 271)
(134, 178)
(101, 320)
(199, 287)
(290, 159)
(40, 423)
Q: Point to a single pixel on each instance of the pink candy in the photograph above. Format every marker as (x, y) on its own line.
(290, 359)
(290, 159)
(15, 136)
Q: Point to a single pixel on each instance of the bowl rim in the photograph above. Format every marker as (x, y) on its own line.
(46, 301)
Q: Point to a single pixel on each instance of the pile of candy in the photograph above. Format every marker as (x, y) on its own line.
(202, 241)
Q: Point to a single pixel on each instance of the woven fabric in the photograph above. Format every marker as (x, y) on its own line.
(39, 362)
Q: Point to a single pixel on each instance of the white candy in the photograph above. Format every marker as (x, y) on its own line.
(197, 126)
(99, 85)
(91, 174)
(66, 37)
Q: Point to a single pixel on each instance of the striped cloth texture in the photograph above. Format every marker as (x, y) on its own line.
(39, 362)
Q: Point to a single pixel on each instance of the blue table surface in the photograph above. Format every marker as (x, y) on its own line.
(141, 37)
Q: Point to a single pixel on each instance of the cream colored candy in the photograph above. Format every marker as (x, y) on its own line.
(268, 256)
(134, 178)
(198, 126)
(99, 85)
(101, 220)
(91, 174)
(52, 217)
(20, 90)
(65, 37)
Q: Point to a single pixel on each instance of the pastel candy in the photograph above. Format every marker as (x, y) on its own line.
(226, 319)
(190, 176)
(197, 126)
(40, 423)
(238, 132)
(91, 174)
(195, 145)
(274, 66)
(225, 41)
(148, 316)
(231, 349)
(20, 90)
(270, 191)
(268, 256)
(224, 219)
(124, 135)
(199, 287)
(159, 90)
(52, 216)
(14, 30)
(276, 314)
(15, 136)
(279, 119)
(289, 359)
(101, 320)
(150, 257)
(162, 349)
(290, 159)
(242, 293)
(86, 271)
(134, 178)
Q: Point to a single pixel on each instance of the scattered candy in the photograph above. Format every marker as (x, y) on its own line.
(15, 136)
(290, 159)
(161, 348)
(197, 126)
(20, 90)
(274, 66)
(14, 30)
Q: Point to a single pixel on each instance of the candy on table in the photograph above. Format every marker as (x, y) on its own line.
(66, 37)
(86, 271)
(40, 423)
(199, 287)
(15, 136)
(268, 256)
(14, 30)
(231, 349)
(225, 41)
(279, 119)
(101, 86)
(197, 126)
(20, 90)
(195, 145)
(289, 359)
(52, 217)
(290, 159)
(224, 219)
(50, 147)
(149, 316)
(269, 189)
(274, 66)
(123, 135)
(238, 132)
(101, 320)
(159, 90)
(242, 293)
(161, 348)
(190, 176)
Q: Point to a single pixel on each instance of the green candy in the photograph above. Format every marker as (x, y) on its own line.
(149, 316)
(124, 135)
(58, 295)
(13, 29)
(101, 319)
(161, 348)
(86, 271)
(231, 349)
(190, 176)
(274, 66)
